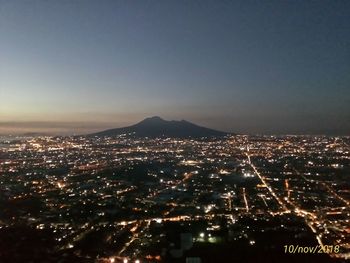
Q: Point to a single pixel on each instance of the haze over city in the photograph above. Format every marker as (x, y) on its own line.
(72, 67)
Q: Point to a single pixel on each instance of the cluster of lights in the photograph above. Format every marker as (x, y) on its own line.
(125, 260)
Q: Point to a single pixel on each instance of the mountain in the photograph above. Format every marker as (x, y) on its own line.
(157, 127)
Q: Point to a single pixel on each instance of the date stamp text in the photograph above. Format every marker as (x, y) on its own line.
(296, 249)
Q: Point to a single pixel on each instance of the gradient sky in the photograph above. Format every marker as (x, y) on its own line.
(241, 66)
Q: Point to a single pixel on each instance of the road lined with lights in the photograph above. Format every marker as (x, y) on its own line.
(309, 217)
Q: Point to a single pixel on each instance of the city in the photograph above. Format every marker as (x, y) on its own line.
(122, 199)
(177, 131)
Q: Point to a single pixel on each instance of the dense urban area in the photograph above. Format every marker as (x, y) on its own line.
(122, 199)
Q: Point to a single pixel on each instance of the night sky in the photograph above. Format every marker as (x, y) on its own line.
(242, 66)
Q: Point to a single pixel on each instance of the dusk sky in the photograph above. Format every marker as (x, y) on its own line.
(242, 66)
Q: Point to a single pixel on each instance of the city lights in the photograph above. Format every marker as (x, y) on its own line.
(129, 198)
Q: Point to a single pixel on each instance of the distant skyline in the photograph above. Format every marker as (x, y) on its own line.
(273, 67)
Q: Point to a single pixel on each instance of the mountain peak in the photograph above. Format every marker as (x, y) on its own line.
(152, 121)
(157, 127)
(154, 118)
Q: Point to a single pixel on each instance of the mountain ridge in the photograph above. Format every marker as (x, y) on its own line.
(157, 127)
